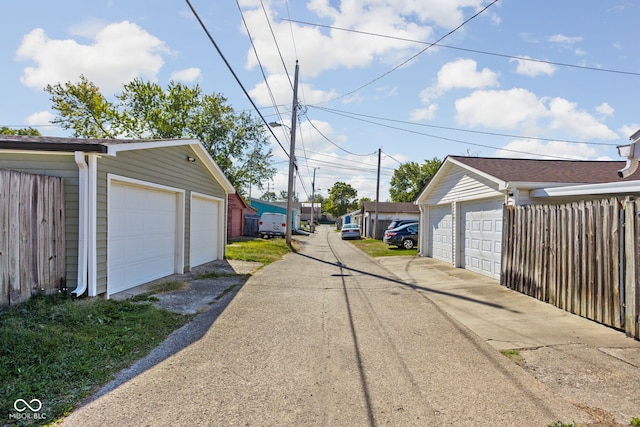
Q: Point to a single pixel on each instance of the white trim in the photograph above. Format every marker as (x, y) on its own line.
(180, 217)
(623, 187)
(114, 148)
(203, 155)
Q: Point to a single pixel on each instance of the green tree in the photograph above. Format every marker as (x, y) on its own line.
(362, 200)
(342, 199)
(236, 141)
(26, 131)
(269, 196)
(410, 178)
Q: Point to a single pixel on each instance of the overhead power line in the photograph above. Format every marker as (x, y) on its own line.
(429, 46)
(482, 52)
(505, 135)
(441, 137)
(213, 42)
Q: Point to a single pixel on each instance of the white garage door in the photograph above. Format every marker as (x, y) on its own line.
(142, 235)
(482, 236)
(204, 230)
(441, 233)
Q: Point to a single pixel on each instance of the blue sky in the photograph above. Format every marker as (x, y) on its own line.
(554, 79)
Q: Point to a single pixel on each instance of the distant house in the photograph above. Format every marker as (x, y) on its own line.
(135, 210)
(263, 206)
(237, 210)
(387, 212)
(462, 206)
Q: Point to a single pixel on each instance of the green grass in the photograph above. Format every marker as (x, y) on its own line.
(377, 248)
(264, 251)
(59, 349)
(514, 356)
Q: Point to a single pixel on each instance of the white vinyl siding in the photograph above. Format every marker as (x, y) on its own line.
(460, 185)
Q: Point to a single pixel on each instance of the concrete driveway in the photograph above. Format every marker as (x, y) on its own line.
(330, 337)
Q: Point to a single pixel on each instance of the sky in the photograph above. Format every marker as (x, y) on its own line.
(409, 79)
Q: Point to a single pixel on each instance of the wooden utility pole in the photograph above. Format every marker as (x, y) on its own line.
(292, 158)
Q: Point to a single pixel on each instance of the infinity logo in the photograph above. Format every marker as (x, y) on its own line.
(24, 405)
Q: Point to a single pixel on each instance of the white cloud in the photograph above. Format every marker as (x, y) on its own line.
(605, 109)
(187, 75)
(40, 118)
(281, 89)
(119, 53)
(326, 49)
(565, 40)
(533, 68)
(566, 117)
(421, 114)
(462, 73)
(506, 109)
(627, 130)
(522, 109)
(531, 148)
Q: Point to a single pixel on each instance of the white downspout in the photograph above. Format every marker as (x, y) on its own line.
(83, 174)
(92, 264)
(423, 233)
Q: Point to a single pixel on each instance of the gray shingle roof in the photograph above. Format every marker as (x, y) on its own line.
(557, 171)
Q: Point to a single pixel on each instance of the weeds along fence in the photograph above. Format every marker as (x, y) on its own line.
(32, 235)
(581, 257)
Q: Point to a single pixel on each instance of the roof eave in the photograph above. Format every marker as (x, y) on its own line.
(624, 187)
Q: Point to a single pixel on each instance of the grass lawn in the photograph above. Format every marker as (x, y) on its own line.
(59, 349)
(265, 251)
(377, 248)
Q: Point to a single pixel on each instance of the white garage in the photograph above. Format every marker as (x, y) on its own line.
(481, 232)
(205, 228)
(441, 232)
(462, 208)
(143, 233)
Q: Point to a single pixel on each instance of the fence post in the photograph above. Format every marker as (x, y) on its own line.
(630, 308)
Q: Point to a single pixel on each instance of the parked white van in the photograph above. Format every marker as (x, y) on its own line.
(272, 225)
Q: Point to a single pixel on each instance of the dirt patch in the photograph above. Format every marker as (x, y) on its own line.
(605, 387)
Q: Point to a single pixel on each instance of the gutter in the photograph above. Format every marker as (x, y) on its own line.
(632, 153)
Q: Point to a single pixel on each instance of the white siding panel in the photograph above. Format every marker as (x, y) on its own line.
(461, 185)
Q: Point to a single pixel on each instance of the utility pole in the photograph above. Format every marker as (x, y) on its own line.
(292, 157)
(313, 198)
(375, 227)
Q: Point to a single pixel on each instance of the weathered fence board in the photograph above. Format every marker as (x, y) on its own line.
(32, 242)
(568, 255)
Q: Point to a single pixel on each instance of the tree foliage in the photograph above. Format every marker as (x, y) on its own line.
(342, 199)
(410, 178)
(25, 131)
(236, 141)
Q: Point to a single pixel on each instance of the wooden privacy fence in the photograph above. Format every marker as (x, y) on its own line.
(32, 236)
(574, 256)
